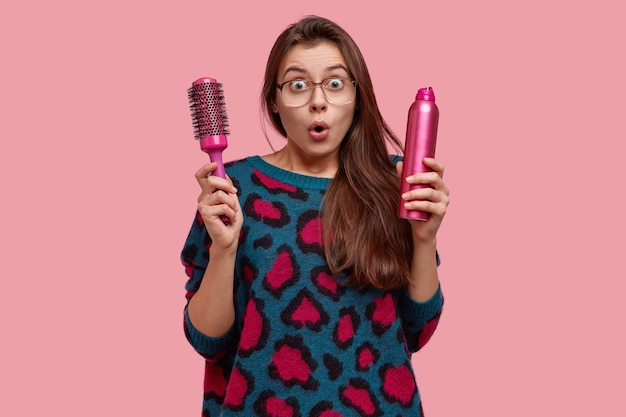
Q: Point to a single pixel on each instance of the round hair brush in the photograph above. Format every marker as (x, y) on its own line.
(210, 122)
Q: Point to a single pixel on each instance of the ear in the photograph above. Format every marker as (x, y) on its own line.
(274, 108)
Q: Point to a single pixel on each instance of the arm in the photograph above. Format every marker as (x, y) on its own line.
(419, 319)
(422, 306)
(211, 309)
(433, 199)
(210, 312)
(195, 257)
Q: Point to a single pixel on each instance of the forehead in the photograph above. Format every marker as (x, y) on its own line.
(312, 60)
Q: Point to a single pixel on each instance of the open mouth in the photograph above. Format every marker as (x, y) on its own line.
(318, 126)
(318, 130)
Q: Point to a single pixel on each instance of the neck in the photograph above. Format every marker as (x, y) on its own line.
(314, 166)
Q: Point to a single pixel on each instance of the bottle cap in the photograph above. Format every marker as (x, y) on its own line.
(426, 93)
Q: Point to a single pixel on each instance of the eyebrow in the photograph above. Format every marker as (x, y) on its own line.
(301, 70)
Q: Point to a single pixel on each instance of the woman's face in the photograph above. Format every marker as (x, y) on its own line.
(316, 129)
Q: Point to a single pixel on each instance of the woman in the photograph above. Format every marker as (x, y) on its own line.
(311, 299)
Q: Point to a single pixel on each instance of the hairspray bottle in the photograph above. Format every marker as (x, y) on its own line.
(421, 138)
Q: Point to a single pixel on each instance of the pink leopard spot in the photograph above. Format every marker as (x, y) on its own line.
(281, 271)
(214, 380)
(366, 358)
(311, 233)
(278, 407)
(237, 389)
(271, 183)
(327, 281)
(331, 413)
(399, 385)
(306, 312)
(346, 330)
(427, 332)
(248, 273)
(267, 210)
(252, 328)
(385, 311)
(290, 364)
(360, 398)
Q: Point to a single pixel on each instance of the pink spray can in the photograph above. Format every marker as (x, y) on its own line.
(421, 138)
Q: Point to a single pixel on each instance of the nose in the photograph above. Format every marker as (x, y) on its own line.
(318, 99)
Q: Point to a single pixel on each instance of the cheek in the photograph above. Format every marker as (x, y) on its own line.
(347, 118)
(290, 121)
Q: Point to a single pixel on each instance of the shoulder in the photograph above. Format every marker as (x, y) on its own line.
(238, 164)
(240, 168)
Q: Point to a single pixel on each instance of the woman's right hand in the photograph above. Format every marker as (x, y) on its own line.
(217, 199)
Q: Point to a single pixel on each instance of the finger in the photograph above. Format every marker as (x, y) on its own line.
(426, 194)
(218, 197)
(431, 179)
(216, 213)
(212, 183)
(422, 193)
(435, 165)
(222, 184)
(218, 205)
(435, 208)
(205, 170)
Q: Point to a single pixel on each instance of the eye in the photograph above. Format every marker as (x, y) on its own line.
(334, 83)
(298, 85)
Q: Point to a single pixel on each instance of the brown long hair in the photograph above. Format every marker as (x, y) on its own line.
(363, 236)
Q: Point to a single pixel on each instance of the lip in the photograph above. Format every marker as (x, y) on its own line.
(318, 130)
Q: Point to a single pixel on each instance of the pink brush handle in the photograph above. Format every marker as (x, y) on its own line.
(216, 156)
(214, 145)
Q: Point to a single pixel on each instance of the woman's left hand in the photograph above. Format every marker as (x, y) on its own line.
(433, 198)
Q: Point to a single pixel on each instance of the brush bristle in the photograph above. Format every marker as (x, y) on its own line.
(208, 108)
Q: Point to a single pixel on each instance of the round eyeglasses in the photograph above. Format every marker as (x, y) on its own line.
(337, 90)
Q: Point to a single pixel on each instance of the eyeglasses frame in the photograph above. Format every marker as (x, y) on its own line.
(315, 85)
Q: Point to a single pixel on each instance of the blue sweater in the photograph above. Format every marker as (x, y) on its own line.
(302, 343)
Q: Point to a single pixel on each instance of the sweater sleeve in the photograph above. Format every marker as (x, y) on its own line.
(211, 348)
(420, 319)
(195, 257)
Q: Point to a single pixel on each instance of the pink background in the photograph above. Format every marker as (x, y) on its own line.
(98, 192)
